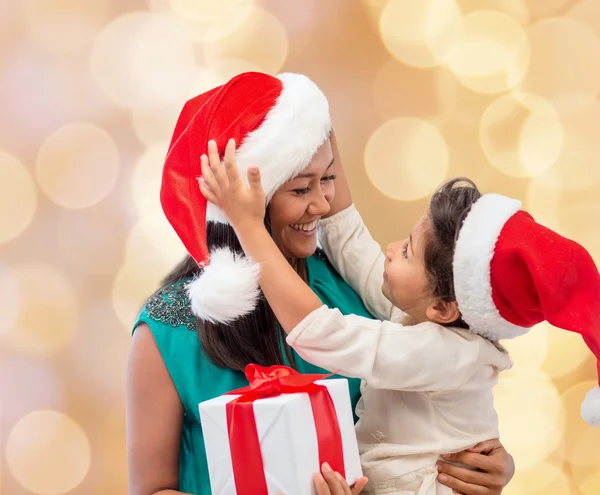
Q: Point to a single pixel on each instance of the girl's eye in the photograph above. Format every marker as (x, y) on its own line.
(302, 191)
(328, 178)
(405, 251)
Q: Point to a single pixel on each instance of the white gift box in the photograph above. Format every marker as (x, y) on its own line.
(288, 440)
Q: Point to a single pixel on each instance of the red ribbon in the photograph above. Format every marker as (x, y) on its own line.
(246, 456)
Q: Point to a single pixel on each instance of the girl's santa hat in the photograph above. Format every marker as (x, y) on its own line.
(278, 124)
(511, 273)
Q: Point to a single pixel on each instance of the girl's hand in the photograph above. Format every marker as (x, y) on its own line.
(332, 483)
(495, 468)
(222, 185)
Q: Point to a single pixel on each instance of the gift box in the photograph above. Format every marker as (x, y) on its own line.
(272, 436)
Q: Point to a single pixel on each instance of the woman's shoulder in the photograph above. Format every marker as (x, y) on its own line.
(169, 308)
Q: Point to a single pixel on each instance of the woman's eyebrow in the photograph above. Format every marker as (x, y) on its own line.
(311, 174)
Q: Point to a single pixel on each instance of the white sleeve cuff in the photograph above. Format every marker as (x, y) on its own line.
(310, 319)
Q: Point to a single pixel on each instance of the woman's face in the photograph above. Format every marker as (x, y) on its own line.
(297, 206)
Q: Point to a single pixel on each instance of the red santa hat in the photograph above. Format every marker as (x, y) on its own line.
(278, 124)
(511, 273)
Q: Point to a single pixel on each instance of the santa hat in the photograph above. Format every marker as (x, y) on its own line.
(511, 273)
(278, 124)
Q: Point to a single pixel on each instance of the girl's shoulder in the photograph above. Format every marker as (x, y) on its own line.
(169, 307)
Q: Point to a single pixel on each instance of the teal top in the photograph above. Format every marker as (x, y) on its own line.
(197, 378)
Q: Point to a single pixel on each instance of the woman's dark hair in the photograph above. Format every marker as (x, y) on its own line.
(448, 209)
(253, 338)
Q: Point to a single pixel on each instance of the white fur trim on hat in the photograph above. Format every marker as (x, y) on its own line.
(473, 254)
(590, 408)
(226, 289)
(287, 139)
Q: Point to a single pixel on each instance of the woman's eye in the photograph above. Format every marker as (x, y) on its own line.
(328, 178)
(405, 251)
(302, 191)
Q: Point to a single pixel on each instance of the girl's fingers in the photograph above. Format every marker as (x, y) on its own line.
(207, 174)
(206, 192)
(230, 166)
(214, 161)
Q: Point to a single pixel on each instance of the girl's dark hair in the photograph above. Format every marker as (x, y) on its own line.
(448, 209)
(253, 338)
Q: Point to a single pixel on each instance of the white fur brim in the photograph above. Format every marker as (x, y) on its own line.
(288, 138)
(590, 407)
(472, 257)
(227, 289)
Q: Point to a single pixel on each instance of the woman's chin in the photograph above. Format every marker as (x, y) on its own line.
(302, 248)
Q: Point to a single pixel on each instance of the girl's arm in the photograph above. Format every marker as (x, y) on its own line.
(152, 452)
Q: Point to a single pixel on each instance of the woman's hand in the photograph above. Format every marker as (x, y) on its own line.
(495, 468)
(222, 185)
(333, 483)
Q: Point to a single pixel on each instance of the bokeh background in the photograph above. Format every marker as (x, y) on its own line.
(503, 91)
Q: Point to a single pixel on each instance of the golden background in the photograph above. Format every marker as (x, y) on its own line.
(503, 91)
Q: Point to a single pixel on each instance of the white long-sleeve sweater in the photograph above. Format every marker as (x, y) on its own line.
(427, 389)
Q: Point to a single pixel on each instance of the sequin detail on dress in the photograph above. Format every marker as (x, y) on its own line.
(170, 305)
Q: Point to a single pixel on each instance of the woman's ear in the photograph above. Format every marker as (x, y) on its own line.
(443, 312)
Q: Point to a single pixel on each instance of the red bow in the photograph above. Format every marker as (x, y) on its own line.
(248, 468)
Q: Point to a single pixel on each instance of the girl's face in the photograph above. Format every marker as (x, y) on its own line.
(405, 282)
(298, 205)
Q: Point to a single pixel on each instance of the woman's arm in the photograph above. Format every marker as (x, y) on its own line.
(495, 468)
(154, 420)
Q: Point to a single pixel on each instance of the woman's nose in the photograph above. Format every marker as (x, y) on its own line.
(319, 206)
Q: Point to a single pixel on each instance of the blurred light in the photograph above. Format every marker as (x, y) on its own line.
(567, 212)
(18, 196)
(219, 73)
(554, 71)
(262, 40)
(48, 313)
(406, 158)
(27, 384)
(78, 165)
(153, 126)
(577, 166)
(590, 484)
(91, 240)
(432, 92)
(421, 34)
(98, 356)
(544, 478)
(143, 60)
(153, 240)
(493, 53)
(153, 249)
(521, 134)
(208, 11)
(64, 26)
(531, 416)
(48, 453)
(517, 9)
(529, 351)
(566, 351)
(582, 440)
(586, 12)
(135, 282)
(10, 302)
(146, 181)
(547, 8)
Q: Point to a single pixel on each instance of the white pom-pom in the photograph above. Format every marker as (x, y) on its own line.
(590, 408)
(226, 289)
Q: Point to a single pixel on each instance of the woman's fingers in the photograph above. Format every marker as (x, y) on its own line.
(464, 474)
(359, 485)
(473, 459)
(462, 487)
(206, 192)
(321, 486)
(336, 483)
(215, 164)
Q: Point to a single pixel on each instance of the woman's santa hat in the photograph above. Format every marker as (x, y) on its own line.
(278, 124)
(511, 273)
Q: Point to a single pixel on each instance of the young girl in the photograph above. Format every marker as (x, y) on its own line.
(463, 279)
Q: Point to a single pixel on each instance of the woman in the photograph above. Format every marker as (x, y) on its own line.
(196, 334)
